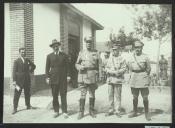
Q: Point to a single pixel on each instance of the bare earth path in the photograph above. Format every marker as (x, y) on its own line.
(160, 108)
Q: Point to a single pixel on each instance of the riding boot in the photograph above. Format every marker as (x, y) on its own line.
(134, 113)
(91, 107)
(81, 111)
(147, 115)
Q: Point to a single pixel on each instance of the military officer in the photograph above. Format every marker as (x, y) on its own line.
(87, 66)
(140, 68)
(115, 69)
(163, 68)
(103, 66)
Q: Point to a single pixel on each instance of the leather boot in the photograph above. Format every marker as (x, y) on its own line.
(91, 107)
(134, 113)
(147, 115)
(81, 112)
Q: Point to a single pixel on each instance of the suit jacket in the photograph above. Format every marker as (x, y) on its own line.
(21, 71)
(57, 69)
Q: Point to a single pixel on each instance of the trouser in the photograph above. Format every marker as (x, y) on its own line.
(163, 74)
(87, 87)
(55, 92)
(114, 91)
(144, 93)
(18, 93)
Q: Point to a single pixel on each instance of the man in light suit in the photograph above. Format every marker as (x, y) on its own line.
(115, 68)
(21, 79)
(57, 77)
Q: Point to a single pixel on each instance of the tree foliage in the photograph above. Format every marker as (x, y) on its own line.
(122, 38)
(154, 23)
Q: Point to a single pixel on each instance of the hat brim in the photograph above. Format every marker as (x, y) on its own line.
(138, 46)
(116, 48)
(51, 45)
(88, 41)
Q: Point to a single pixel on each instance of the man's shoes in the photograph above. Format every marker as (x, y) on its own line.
(56, 114)
(30, 107)
(109, 114)
(118, 115)
(14, 111)
(147, 116)
(65, 115)
(133, 114)
(121, 111)
(80, 115)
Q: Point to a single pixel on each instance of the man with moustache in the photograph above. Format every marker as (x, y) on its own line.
(115, 70)
(57, 77)
(87, 66)
(140, 68)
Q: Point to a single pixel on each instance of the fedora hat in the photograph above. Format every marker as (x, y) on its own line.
(54, 41)
(88, 39)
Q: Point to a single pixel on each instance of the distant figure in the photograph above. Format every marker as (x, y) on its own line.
(163, 65)
(154, 80)
(103, 66)
(21, 78)
(139, 66)
(57, 76)
(115, 70)
(87, 66)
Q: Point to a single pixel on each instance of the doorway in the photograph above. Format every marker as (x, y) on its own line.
(74, 48)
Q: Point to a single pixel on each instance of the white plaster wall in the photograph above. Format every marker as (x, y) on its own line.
(86, 31)
(7, 60)
(46, 19)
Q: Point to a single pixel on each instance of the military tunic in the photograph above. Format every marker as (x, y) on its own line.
(117, 65)
(163, 69)
(89, 60)
(140, 69)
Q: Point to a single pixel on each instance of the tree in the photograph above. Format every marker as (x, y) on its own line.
(122, 37)
(155, 23)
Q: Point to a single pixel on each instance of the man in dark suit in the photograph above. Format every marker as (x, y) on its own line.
(21, 79)
(56, 73)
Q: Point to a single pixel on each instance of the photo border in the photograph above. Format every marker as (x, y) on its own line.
(95, 125)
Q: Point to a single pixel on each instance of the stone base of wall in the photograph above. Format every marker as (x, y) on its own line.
(37, 84)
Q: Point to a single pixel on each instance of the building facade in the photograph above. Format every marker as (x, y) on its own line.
(35, 25)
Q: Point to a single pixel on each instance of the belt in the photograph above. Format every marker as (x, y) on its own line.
(91, 68)
(138, 71)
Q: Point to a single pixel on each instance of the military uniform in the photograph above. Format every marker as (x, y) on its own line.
(87, 78)
(103, 67)
(140, 68)
(115, 68)
(163, 68)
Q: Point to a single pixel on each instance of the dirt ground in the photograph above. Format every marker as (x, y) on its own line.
(159, 100)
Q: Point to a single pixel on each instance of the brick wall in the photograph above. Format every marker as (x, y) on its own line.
(21, 31)
(64, 29)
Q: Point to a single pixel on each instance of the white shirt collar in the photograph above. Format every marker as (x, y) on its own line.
(57, 53)
(22, 59)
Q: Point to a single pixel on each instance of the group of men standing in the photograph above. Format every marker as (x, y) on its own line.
(87, 64)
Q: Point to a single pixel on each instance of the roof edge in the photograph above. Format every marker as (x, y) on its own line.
(70, 6)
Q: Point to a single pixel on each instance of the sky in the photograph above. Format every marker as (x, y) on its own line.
(113, 17)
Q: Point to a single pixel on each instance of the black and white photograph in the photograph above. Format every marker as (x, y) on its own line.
(87, 63)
